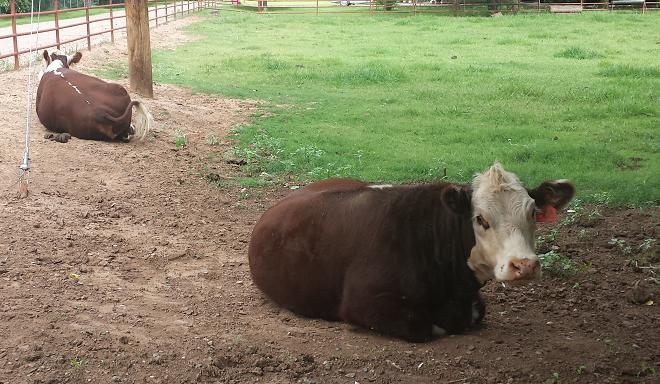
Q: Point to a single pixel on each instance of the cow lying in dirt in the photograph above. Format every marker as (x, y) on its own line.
(407, 261)
(70, 103)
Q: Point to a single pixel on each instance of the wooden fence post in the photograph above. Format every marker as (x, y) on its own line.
(112, 24)
(139, 47)
(12, 10)
(155, 11)
(89, 38)
(56, 6)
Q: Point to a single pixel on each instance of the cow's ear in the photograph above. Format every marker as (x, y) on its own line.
(458, 198)
(46, 57)
(76, 58)
(550, 196)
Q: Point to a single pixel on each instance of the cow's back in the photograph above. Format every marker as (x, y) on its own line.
(301, 247)
(110, 95)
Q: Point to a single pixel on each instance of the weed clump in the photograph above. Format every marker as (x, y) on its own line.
(578, 53)
(555, 264)
(180, 140)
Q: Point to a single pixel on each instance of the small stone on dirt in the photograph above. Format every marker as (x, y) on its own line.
(257, 371)
(640, 294)
(33, 357)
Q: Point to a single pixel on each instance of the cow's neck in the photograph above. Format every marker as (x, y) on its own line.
(458, 230)
(481, 272)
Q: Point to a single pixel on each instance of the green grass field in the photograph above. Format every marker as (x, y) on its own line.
(400, 98)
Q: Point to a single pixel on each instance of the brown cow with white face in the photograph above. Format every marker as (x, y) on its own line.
(406, 261)
(70, 103)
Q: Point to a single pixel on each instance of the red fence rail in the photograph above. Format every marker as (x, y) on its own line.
(160, 11)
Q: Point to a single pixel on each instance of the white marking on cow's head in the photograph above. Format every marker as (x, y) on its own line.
(380, 186)
(504, 223)
(57, 60)
(52, 67)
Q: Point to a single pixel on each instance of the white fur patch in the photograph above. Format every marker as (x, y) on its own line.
(475, 312)
(380, 186)
(437, 331)
(74, 87)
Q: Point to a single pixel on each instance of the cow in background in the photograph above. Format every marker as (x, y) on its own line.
(407, 261)
(70, 103)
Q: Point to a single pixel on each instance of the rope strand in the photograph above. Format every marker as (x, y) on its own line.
(24, 168)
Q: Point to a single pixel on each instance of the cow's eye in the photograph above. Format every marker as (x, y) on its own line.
(481, 221)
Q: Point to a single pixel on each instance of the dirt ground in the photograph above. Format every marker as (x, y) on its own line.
(124, 265)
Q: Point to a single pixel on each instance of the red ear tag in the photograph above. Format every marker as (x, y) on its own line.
(547, 214)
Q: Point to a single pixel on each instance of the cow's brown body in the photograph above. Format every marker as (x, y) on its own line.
(84, 106)
(392, 259)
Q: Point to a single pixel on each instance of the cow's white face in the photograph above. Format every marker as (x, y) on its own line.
(504, 223)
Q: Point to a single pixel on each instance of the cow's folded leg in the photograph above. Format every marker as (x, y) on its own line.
(59, 137)
(391, 314)
(457, 315)
(108, 132)
(478, 310)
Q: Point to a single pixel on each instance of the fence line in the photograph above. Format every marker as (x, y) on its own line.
(456, 7)
(167, 8)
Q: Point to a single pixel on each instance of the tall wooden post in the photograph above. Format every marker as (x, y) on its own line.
(112, 24)
(139, 47)
(56, 6)
(12, 7)
(89, 38)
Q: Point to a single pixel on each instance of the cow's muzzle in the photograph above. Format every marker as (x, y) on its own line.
(525, 269)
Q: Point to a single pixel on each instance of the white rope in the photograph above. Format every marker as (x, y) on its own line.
(24, 168)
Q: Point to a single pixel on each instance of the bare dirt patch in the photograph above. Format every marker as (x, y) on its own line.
(125, 265)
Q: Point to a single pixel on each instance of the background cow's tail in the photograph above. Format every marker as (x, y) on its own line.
(142, 121)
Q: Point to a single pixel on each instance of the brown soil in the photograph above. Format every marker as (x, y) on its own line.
(125, 265)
